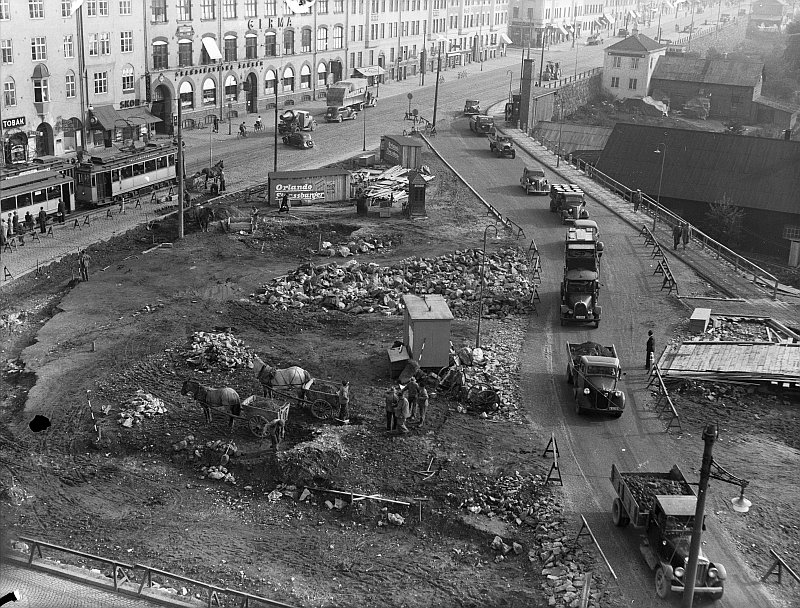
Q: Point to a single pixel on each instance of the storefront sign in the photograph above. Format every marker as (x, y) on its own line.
(184, 31)
(270, 23)
(306, 191)
(129, 103)
(9, 123)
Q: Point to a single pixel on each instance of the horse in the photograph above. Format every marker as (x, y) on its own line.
(205, 216)
(213, 172)
(209, 397)
(271, 378)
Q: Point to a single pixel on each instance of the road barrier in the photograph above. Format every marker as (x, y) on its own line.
(555, 473)
(664, 403)
(663, 268)
(585, 529)
(777, 567)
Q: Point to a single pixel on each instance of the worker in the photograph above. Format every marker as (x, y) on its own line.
(402, 413)
(422, 404)
(412, 390)
(83, 264)
(686, 234)
(677, 231)
(285, 203)
(391, 403)
(651, 350)
(42, 220)
(343, 396)
(636, 198)
(253, 219)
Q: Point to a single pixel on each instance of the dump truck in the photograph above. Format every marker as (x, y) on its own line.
(501, 145)
(580, 290)
(593, 370)
(561, 195)
(664, 504)
(352, 93)
(481, 124)
(582, 249)
(294, 121)
(534, 181)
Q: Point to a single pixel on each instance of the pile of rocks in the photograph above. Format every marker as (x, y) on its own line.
(143, 405)
(349, 248)
(221, 349)
(736, 328)
(510, 498)
(503, 549)
(218, 473)
(360, 288)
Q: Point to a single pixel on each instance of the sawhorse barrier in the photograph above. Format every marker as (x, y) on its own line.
(555, 473)
(585, 529)
(668, 281)
(777, 567)
(664, 403)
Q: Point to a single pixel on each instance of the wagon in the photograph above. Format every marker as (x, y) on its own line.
(259, 412)
(320, 396)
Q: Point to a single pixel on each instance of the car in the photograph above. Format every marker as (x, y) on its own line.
(594, 39)
(338, 114)
(724, 17)
(298, 140)
(472, 107)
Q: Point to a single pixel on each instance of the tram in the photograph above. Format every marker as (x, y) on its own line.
(31, 191)
(106, 178)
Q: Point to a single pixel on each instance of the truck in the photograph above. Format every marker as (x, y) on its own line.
(580, 290)
(501, 145)
(582, 249)
(593, 370)
(472, 107)
(534, 181)
(664, 505)
(352, 93)
(294, 121)
(563, 194)
(481, 124)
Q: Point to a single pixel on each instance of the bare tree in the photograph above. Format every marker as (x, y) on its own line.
(725, 221)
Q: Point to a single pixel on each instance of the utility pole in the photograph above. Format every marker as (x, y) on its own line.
(179, 171)
(436, 92)
(82, 75)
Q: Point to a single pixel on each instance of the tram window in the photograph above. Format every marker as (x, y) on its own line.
(8, 204)
(39, 196)
(171, 159)
(23, 200)
(150, 166)
(138, 169)
(162, 162)
(127, 172)
(115, 175)
(53, 192)
(84, 179)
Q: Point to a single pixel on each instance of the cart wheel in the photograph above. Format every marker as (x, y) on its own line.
(258, 425)
(321, 410)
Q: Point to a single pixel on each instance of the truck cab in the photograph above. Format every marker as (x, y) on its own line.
(563, 194)
(481, 124)
(501, 145)
(579, 293)
(594, 379)
(573, 207)
(472, 107)
(294, 121)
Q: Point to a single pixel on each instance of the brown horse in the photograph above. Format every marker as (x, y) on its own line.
(213, 172)
(209, 397)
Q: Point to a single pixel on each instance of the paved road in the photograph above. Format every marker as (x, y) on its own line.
(632, 303)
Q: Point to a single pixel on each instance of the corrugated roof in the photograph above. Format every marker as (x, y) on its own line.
(574, 137)
(686, 69)
(708, 71)
(306, 173)
(638, 43)
(756, 173)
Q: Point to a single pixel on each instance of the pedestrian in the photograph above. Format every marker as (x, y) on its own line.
(391, 404)
(343, 395)
(62, 212)
(651, 350)
(28, 221)
(412, 390)
(422, 405)
(42, 220)
(83, 264)
(3, 233)
(10, 226)
(285, 202)
(677, 231)
(402, 413)
(215, 127)
(636, 197)
(17, 228)
(686, 235)
(253, 219)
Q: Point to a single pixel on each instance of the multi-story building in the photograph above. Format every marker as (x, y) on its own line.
(629, 64)
(44, 99)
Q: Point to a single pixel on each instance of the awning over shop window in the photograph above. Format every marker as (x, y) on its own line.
(608, 18)
(210, 45)
(562, 29)
(597, 23)
(138, 116)
(505, 39)
(106, 117)
(372, 70)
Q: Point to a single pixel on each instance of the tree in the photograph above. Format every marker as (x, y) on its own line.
(725, 221)
(792, 52)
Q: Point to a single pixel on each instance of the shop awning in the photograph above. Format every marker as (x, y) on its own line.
(668, 4)
(372, 70)
(609, 19)
(138, 116)
(106, 117)
(562, 29)
(633, 14)
(597, 23)
(505, 39)
(210, 45)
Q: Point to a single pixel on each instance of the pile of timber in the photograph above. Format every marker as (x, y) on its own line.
(379, 185)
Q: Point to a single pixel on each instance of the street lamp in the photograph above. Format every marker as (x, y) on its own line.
(663, 154)
(740, 505)
(510, 82)
(364, 149)
(229, 117)
(483, 271)
(560, 103)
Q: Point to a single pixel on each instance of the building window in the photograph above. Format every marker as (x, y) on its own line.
(270, 83)
(322, 39)
(6, 51)
(272, 8)
(288, 80)
(91, 8)
(338, 36)
(186, 93)
(160, 56)
(615, 82)
(251, 8)
(105, 43)
(250, 46)
(159, 11)
(184, 8)
(306, 40)
(338, 6)
(231, 89)
(9, 93)
(230, 48)
(634, 63)
(617, 62)
(102, 8)
(41, 90)
(322, 7)
(208, 9)
(209, 92)
(127, 79)
(185, 53)
(125, 7)
(270, 44)
(36, 9)
(100, 83)
(69, 83)
(305, 77)
(322, 75)
(360, 63)
(632, 84)
(229, 9)
(126, 42)
(69, 47)
(94, 45)
(66, 8)
(38, 48)
(288, 42)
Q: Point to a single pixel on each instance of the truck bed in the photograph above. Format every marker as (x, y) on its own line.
(636, 490)
(576, 351)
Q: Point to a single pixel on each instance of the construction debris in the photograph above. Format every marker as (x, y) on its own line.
(221, 349)
(143, 405)
(218, 473)
(383, 185)
(363, 288)
(511, 498)
(352, 247)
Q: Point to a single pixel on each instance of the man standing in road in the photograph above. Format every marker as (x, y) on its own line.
(42, 220)
(677, 231)
(686, 234)
(651, 350)
(83, 263)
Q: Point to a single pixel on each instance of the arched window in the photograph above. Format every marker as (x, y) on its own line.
(288, 80)
(186, 93)
(127, 78)
(9, 92)
(322, 39)
(322, 75)
(288, 42)
(305, 40)
(305, 77)
(160, 55)
(269, 82)
(338, 36)
(251, 46)
(209, 92)
(231, 88)
(270, 44)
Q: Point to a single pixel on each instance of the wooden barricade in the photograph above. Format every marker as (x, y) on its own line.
(585, 529)
(555, 472)
(777, 567)
(664, 404)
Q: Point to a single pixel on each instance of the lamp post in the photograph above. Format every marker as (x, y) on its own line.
(663, 154)
(510, 82)
(483, 272)
(229, 117)
(560, 103)
(364, 148)
(545, 30)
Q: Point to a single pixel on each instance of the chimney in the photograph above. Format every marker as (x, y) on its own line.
(635, 30)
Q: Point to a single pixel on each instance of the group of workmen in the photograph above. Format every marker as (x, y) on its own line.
(15, 227)
(406, 404)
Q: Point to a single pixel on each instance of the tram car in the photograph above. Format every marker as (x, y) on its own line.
(106, 178)
(29, 192)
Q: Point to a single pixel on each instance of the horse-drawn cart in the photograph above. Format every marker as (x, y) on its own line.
(323, 398)
(320, 396)
(261, 415)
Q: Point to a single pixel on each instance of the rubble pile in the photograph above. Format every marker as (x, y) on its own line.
(221, 349)
(643, 488)
(311, 461)
(503, 549)
(360, 288)
(511, 498)
(732, 329)
(218, 473)
(227, 449)
(13, 318)
(143, 405)
(352, 247)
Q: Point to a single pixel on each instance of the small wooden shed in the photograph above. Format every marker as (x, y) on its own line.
(401, 150)
(416, 194)
(426, 329)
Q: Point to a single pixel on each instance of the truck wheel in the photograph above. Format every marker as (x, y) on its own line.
(597, 324)
(513, 155)
(663, 581)
(339, 118)
(618, 514)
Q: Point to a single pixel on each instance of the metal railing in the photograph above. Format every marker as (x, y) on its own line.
(585, 75)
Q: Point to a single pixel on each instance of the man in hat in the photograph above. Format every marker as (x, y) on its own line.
(636, 197)
(343, 395)
(651, 350)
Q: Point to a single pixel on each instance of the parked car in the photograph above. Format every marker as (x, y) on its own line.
(338, 114)
(300, 140)
(623, 31)
(594, 39)
(724, 18)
